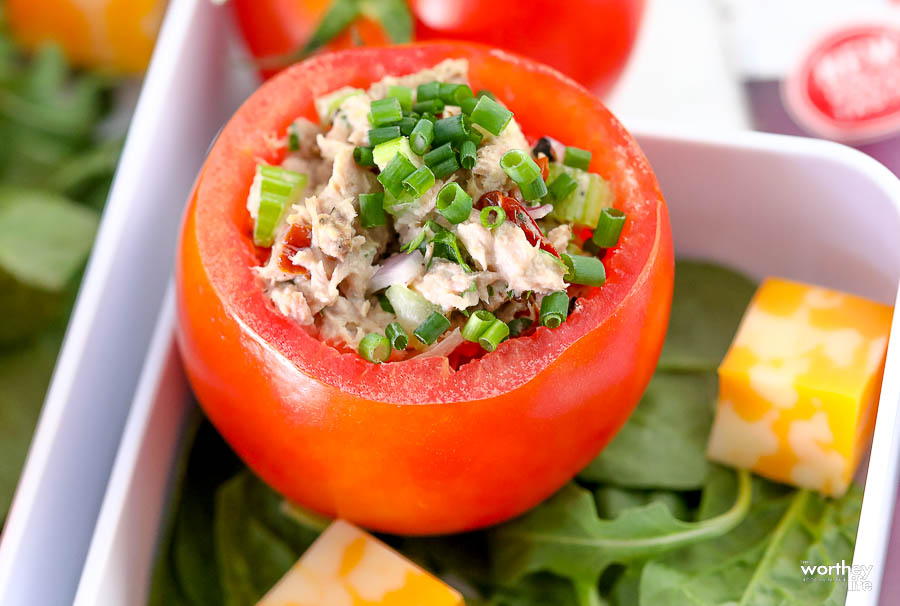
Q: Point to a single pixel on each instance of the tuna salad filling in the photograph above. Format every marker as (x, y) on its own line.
(416, 219)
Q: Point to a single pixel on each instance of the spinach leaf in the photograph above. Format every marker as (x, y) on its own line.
(564, 535)
(759, 561)
(44, 238)
(613, 500)
(186, 572)
(663, 444)
(257, 541)
(24, 373)
(707, 306)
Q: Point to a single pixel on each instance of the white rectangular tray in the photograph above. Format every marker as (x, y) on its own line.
(185, 99)
(765, 204)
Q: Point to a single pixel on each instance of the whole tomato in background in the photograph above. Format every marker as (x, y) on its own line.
(110, 35)
(588, 40)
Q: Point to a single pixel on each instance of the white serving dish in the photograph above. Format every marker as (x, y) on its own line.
(762, 203)
(184, 102)
(765, 204)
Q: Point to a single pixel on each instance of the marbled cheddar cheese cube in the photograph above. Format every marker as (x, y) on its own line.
(347, 567)
(798, 390)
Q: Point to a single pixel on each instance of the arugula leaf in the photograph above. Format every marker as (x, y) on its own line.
(707, 305)
(256, 540)
(759, 561)
(44, 238)
(564, 535)
(663, 444)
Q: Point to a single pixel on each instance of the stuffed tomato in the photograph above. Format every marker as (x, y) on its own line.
(422, 328)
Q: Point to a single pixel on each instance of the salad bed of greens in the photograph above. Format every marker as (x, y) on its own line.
(650, 521)
(56, 164)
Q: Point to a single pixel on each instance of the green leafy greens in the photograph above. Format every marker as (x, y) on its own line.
(55, 169)
(649, 522)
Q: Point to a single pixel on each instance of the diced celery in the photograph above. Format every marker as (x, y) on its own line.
(326, 105)
(278, 189)
(411, 308)
(584, 205)
(385, 152)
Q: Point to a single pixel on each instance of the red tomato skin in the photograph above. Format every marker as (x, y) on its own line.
(588, 40)
(274, 28)
(413, 447)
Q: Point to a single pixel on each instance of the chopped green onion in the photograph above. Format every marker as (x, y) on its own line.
(499, 216)
(495, 333)
(477, 323)
(486, 93)
(428, 90)
(431, 106)
(562, 186)
(453, 128)
(363, 156)
(385, 303)
(490, 115)
(589, 247)
(445, 168)
(371, 210)
(293, 137)
(421, 137)
(411, 114)
(433, 327)
(385, 152)
(467, 154)
(454, 94)
(533, 190)
(467, 105)
(438, 155)
(403, 94)
(407, 124)
(475, 136)
(519, 325)
(577, 158)
(584, 270)
(554, 309)
(419, 182)
(398, 169)
(520, 167)
(375, 348)
(429, 116)
(609, 227)
(446, 246)
(383, 134)
(454, 203)
(397, 336)
(415, 243)
(385, 111)
(278, 189)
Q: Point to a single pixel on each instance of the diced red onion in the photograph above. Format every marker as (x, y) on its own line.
(539, 212)
(401, 268)
(559, 150)
(444, 347)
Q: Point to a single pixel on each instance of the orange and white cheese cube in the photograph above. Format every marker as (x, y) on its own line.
(798, 389)
(347, 567)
